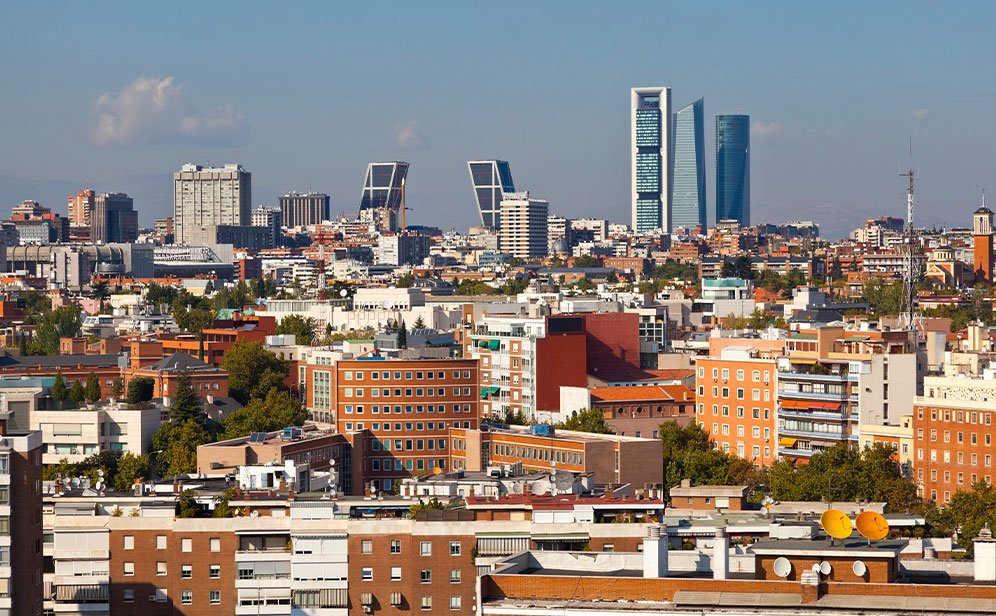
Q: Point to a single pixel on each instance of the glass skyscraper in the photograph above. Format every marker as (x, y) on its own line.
(491, 180)
(651, 158)
(733, 168)
(688, 194)
(382, 186)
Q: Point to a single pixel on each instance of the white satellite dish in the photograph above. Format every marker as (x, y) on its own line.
(782, 566)
(825, 568)
(74, 482)
(99, 486)
(859, 569)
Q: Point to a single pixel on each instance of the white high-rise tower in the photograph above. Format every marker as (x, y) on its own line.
(652, 158)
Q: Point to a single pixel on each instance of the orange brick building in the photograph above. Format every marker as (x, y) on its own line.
(736, 403)
(952, 442)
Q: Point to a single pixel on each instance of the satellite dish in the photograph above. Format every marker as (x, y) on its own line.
(872, 526)
(436, 470)
(74, 482)
(836, 524)
(782, 567)
(825, 568)
(100, 472)
(99, 486)
(859, 569)
(517, 487)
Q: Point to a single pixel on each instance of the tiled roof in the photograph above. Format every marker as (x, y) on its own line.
(678, 393)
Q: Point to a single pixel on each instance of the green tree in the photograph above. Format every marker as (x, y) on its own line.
(92, 389)
(117, 387)
(836, 271)
(187, 506)
(130, 468)
(59, 390)
(76, 392)
(302, 328)
(514, 286)
(515, 419)
(63, 322)
(516, 262)
(587, 420)
(883, 297)
(253, 371)
(426, 506)
(405, 280)
(741, 267)
(585, 261)
(469, 286)
(278, 410)
(419, 323)
(185, 404)
(22, 344)
(100, 290)
(177, 444)
(140, 389)
(402, 335)
(966, 513)
(158, 295)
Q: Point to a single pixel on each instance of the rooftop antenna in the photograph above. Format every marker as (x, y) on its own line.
(908, 318)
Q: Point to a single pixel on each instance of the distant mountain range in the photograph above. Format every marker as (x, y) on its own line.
(152, 192)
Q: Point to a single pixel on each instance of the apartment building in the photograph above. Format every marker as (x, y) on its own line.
(737, 403)
(953, 434)
(613, 459)
(408, 405)
(831, 381)
(21, 562)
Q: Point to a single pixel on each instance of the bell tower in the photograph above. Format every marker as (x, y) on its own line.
(982, 235)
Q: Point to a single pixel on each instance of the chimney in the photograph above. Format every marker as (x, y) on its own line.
(58, 486)
(985, 556)
(721, 555)
(655, 552)
(283, 486)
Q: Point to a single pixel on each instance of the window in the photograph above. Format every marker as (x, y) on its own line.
(215, 597)
(395, 574)
(366, 546)
(454, 548)
(215, 544)
(186, 545)
(129, 568)
(160, 542)
(608, 547)
(128, 596)
(367, 574)
(395, 546)
(425, 576)
(425, 548)
(426, 603)
(454, 576)
(186, 597)
(455, 602)
(215, 571)
(160, 568)
(186, 571)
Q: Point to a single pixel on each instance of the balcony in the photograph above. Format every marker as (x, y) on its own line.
(82, 593)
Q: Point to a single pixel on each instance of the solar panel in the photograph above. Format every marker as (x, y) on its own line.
(257, 437)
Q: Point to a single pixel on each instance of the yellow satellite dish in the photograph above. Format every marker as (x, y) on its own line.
(836, 523)
(437, 470)
(871, 525)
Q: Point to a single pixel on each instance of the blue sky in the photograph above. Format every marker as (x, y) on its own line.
(301, 92)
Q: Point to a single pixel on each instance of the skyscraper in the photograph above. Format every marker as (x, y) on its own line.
(491, 180)
(80, 206)
(733, 168)
(205, 196)
(524, 226)
(113, 219)
(382, 186)
(688, 193)
(652, 153)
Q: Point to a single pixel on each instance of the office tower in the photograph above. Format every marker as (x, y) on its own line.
(733, 168)
(301, 210)
(29, 210)
(491, 180)
(113, 219)
(269, 217)
(558, 234)
(523, 222)
(401, 249)
(382, 186)
(688, 192)
(80, 206)
(652, 158)
(982, 238)
(210, 196)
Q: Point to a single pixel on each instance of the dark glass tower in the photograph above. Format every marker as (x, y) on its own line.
(733, 168)
(688, 196)
(491, 180)
(382, 186)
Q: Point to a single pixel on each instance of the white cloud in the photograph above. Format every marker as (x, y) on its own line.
(155, 110)
(766, 129)
(409, 135)
(919, 114)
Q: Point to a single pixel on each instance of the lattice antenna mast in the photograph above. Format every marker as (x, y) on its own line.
(911, 264)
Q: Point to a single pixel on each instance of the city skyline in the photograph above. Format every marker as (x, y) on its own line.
(805, 141)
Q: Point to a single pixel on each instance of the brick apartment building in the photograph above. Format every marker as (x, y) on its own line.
(639, 410)
(147, 361)
(737, 403)
(408, 406)
(20, 520)
(953, 435)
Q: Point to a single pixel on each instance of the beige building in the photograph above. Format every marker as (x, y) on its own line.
(210, 196)
(524, 224)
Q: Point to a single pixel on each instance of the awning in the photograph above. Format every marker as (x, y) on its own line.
(833, 406)
(482, 343)
(494, 344)
(787, 442)
(484, 392)
(794, 404)
(809, 404)
(495, 390)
